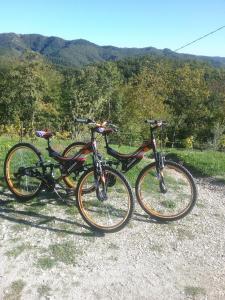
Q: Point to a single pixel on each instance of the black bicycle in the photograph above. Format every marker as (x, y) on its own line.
(104, 197)
(165, 189)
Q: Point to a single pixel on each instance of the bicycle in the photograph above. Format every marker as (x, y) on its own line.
(104, 197)
(164, 189)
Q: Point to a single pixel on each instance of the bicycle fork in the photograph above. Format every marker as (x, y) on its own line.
(100, 181)
(160, 159)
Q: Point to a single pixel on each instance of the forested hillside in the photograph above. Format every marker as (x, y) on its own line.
(80, 52)
(189, 94)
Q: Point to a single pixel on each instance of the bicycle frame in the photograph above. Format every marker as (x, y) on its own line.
(128, 161)
(67, 165)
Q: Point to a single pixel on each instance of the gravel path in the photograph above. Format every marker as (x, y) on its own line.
(46, 253)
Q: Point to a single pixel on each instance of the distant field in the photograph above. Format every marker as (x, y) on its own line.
(7, 142)
(200, 163)
(204, 163)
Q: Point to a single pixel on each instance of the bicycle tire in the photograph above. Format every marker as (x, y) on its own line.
(69, 180)
(20, 156)
(160, 205)
(108, 209)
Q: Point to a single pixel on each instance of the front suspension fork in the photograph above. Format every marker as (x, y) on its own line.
(100, 179)
(160, 164)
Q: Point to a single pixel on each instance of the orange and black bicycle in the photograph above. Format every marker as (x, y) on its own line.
(104, 197)
(164, 189)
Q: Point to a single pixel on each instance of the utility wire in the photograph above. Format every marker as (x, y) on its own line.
(200, 38)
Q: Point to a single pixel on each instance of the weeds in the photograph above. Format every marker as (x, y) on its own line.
(14, 291)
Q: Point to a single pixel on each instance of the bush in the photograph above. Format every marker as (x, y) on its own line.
(222, 143)
(188, 142)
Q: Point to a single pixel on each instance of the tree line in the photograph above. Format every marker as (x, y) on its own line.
(190, 95)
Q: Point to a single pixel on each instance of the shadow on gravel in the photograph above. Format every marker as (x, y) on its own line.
(218, 181)
(39, 220)
(146, 218)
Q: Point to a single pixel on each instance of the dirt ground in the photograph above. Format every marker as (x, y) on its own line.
(48, 252)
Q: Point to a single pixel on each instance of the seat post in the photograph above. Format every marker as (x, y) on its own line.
(48, 142)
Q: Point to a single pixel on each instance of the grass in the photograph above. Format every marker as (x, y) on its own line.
(184, 234)
(45, 263)
(35, 206)
(6, 142)
(72, 210)
(19, 227)
(194, 291)
(44, 291)
(203, 163)
(14, 291)
(16, 251)
(156, 248)
(200, 163)
(113, 246)
(65, 253)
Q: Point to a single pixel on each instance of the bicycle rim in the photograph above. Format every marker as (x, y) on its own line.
(18, 160)
(172, 204)
(70, 151)
(106, 215)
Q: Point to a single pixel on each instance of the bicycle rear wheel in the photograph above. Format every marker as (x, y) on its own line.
(169, 204)
(112, 213)
(70, 151)
(22, 162)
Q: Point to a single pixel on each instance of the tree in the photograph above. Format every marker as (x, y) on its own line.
(187, 100)
(143, 98)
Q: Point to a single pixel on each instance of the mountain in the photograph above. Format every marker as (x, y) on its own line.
(81, 52)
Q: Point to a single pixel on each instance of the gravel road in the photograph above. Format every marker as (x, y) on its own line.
(47, 252)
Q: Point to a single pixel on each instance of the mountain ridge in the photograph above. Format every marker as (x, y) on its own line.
(80, 52)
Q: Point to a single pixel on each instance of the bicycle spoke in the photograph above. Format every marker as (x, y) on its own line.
(20, 168)
(171, 203)
(105, 213)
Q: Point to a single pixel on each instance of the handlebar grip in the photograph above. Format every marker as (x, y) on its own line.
(113, 126)
(152, 122)
(83, 121)
(156, 122)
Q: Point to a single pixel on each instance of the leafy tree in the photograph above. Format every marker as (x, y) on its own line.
(143, 98)
(187, 99)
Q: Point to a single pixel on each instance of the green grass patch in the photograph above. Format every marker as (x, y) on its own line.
(113, 246)
(65, 253)
(16, 251)
(6, 142)
(194, 291)
(14, 290)
(46, 263)
(156, 248)
(183, 234)
(72, 210)
(34, 206)
(44, 291)
(204, 163)
(19, 227)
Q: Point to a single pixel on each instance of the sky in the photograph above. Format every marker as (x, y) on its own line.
(122, 23)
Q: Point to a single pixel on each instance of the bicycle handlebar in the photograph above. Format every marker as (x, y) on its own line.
(157, 123)
(91, 122)
(83, 121)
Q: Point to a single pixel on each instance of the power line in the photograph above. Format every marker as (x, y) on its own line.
(200, 38)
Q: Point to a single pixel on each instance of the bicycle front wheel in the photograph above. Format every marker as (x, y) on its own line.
(175, 200)
(114, 211)
(21, 169)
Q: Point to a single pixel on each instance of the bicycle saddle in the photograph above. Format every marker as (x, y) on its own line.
(44, 134)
